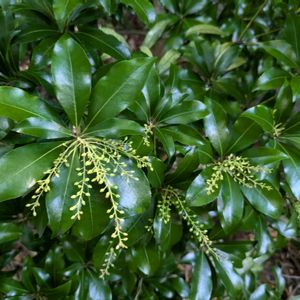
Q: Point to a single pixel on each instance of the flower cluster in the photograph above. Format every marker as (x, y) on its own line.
(109, 259)
(173, 197)
(100, 160)
(44, 184)
(148, 132)
(240, 169)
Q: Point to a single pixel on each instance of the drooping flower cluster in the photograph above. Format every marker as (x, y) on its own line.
(241, 171)
(100, 160)
(170, 197)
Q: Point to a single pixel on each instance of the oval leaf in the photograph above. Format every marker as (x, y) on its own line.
(22, 167)
(202, 279)
(42, 128)
(230, 204)
(267, 202)
(72, 77)
(116, 91)
(19, 105)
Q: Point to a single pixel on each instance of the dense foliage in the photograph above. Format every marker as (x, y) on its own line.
(148, 149)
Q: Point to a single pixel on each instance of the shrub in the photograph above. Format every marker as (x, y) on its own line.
(149, 149)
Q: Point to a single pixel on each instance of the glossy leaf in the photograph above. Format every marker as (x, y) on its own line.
(42, 128)
(204, 29)
(196, 194)
(106, 43)
(292, 170)
(244, 133)
(135, 195)
(271, 79)
(58, 199)
(143, 8)
(72, 77)
(262, 115)
(202, 279)
(116, 128)
(157, 31)
(282, 51)
(169, 58)
(230, 204)
(215, 126)
(157, 173)
(291, 31)
(62, 11)
(228, 275)
(23, 166)
(9, 232)
(267, 202)
(116, 91)
(264, 155)
(19, 105)
(94, 218)
(147, 259)
(295, 85)
(185, 113)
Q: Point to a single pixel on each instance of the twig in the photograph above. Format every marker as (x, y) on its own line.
(252, 20)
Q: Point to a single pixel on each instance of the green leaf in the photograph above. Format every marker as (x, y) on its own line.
(185, 112)
(98, 289)
(41, 53)
(295, 85)
(166, 140)
(267, 202)
(265, 244)
(60, 292)
(9, 232)
(291, 32)
(62, 11)
(264, 155)
(228, 275)
(196, 194)
(42, 128)
(147, 259)
(204, 29)
(291, 168)
(72, 77)
(215, 126)
(230, 204)
(116, 91)
(169, 58)
(170, 5)
(23, 166)
(156, 175)
(167, 234)
(202, 279)
(58, 199)
(13, 288)
(186, 166)
(260, 293)
(262, 115)
(271, 79)
(94, 218)
(116, 128)
(282, 51)
(106, 43)
(157, 31)
(244, 133)
(135, 195)
(143, 8)
(284, 102)
(19, 105)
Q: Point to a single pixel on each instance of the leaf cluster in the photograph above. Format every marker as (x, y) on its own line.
(167, 169)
